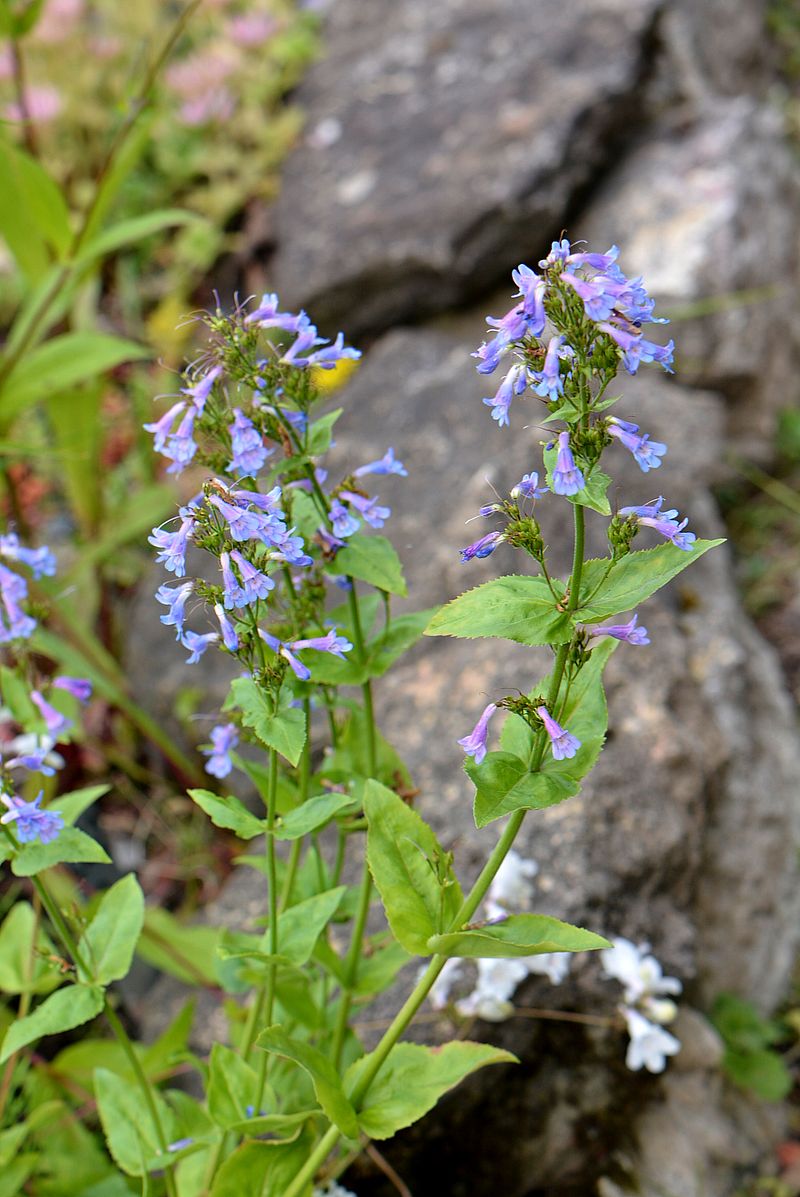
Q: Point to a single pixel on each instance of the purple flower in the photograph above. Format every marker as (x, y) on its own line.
(224, 739)
(197, 644)
(513, 384)
(343, 522)
(36, 761)
(199, 391)
(647, 453)
(562, 742)
(599, 294)
(176, 601)
(559, 252)
(567, 477)
(269, 502)
(663, 522)
(483, 547)
(267, 315)
(331, 544)
(306, 339)
(162, 428)
(474, 744)
(531, 288)
(388, 464)
(31, 822)
(172, 545)
(331, 643)
(511, 327)
(243, 524)
(41, 561)
(255, 584)
(249, 450)
(15, 624)
(595, 261)
(547, 381)
(368, 508)
(180, 447)
(78, 687)
(528, 488)
(55, 722)
(284, 650)
(636, 349)
(229, 637)
(327, 358)
(628, 632)
(288, 546)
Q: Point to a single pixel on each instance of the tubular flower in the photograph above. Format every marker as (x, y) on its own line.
(567, 476)
(31, 823)
(563, 744)
(647, 453)
(224, 739)
(483, 547)
(628, 632)
(474, 744)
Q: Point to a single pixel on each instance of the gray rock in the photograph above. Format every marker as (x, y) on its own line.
(707, 215)
(446, 141)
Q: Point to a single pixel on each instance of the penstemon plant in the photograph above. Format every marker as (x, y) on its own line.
(257, 555)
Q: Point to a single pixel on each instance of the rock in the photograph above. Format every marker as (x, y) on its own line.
(446, 142)
(706, 214)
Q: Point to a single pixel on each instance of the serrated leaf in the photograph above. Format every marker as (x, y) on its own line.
(284, 729)
(324, 1077)
(62, 1011)
(228, 812)
(635, 578)
(518, 935)
(370, 559)
(108, 944)
(313, 814)
(504, 784)
(515, 608)
(412, 1080)
(413, 874)
(69, 847)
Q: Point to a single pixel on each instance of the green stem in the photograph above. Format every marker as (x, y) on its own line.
(471, 903)
(305, 776)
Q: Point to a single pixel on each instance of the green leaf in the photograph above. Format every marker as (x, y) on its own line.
(69, 847)
(741, 1025)
(34, 219)
(15, 694)
(59, 364)
(349, 763)
(232, 1086)
(134, 229)
(370, 559)
(67, 1008)
(763, 1072)
(23, 944)
(518, 935)
(413, 874)
(635, 578)
(301, 925)
(73, 805)
(108, 944)
(378, 971)
(229, 813)
(510, 608)
(262, 1169)
(283, 730)
(385, 648)
(313, 814)
(413, 1079)
(324, 1077)
(593, 494)
(321, 432)
(127, 1122)
(503, 780)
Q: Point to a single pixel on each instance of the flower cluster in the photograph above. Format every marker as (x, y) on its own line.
(647, 1004)
(31, 724)
(246, 411)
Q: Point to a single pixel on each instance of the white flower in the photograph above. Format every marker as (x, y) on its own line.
(640, 974)
(650, 1044)
(497, 980)
(511, 888)
(554, 965)
(333, 1189)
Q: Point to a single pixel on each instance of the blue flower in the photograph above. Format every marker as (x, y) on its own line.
(175, 599)
(663, 522)
(513, 384)
(387, 465)
(474, 744)
(647, 453)
(31, 822)
(635, 349)
(40, 561)
(284, 650)
(528, 488)
(249, 450)
(197, 644)
(327, 358)
(547, 381)
(243, 524)
(15, 624)
(483, 547)
(172, 545)
(567, 477)
(628, 632)
(343, 522)
(563, 744)
(368, 508)
(55, 722)
(78, 687)
(180, 447)
(229, 637)
(267, 315)
(224, 738)
(162, 428)
(599, 294)
(36, 760)
(199, 391)
(532, 289)
(333, 642)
